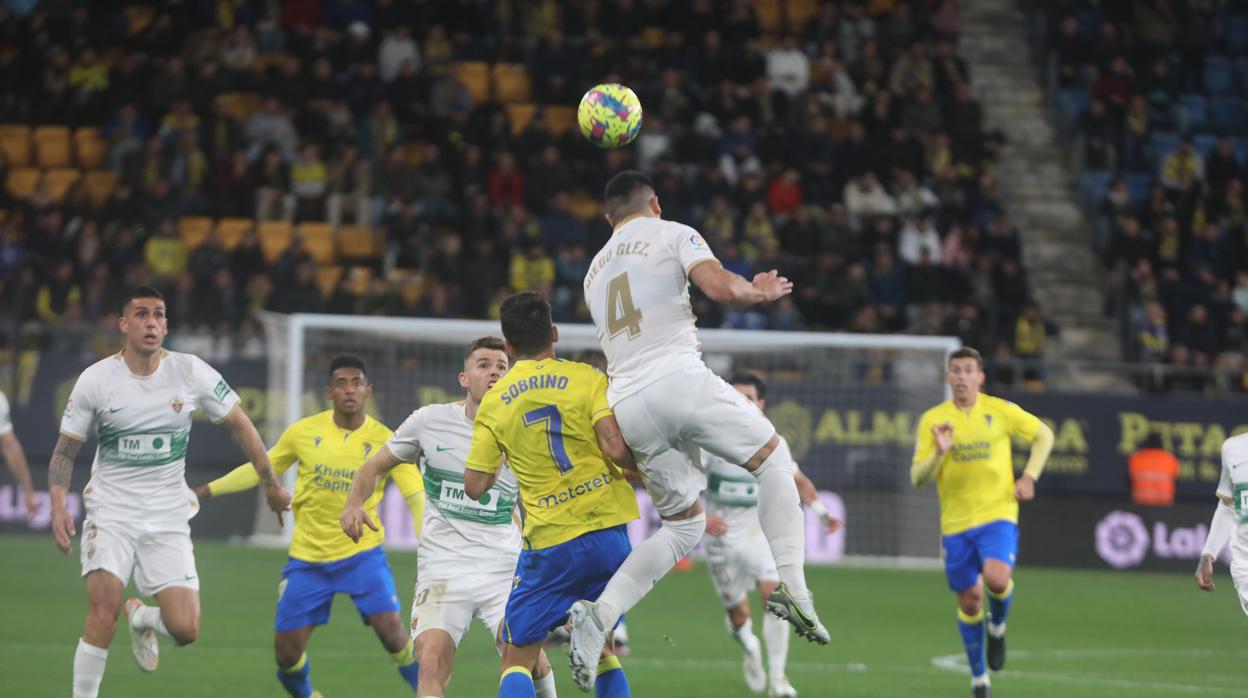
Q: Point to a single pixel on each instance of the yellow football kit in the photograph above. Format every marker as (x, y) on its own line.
(541, 417)
(975, 479)
(328, 458)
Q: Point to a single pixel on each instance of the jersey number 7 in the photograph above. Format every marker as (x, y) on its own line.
(548, 418)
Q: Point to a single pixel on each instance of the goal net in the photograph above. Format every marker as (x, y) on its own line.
(847, 403)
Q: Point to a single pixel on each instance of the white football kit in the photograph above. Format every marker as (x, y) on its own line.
(137, 502)
(6, 418)
(1234, 485)
(667, 402)
(741, 558)
(468, 548)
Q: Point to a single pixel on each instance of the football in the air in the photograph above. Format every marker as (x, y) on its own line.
(610, 115)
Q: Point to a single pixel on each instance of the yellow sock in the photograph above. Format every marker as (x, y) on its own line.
(404, 656)
(298, 666)
(609, 664)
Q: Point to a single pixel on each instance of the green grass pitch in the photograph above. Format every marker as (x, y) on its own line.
(1072, 634)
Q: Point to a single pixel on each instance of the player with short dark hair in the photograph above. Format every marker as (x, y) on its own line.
(139, 403)
(551, 420)
(329, 447)
(964, 443)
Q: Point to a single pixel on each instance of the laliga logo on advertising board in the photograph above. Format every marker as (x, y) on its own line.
(1122, 540)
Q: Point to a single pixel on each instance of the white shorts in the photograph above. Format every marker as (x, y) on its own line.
(451, 604)
(158, 555)
(737, 566)
(1240, 577)
(668, 421)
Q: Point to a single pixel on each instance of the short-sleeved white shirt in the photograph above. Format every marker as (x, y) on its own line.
(1234, 485)
(637, 290)
(459, 535)
(143, 425)
(6, 417)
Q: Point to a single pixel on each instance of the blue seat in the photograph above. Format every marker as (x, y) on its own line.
(1163, 144)
(1205, 143)
(1228, 115)
(1092, 187)
(1138, 185)
(1194, 112)
(1237, 35)
(1071, 106)
(1219, 78)
(1241, 72)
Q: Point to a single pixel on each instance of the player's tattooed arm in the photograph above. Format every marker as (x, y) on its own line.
(60, 473)
(248, 439)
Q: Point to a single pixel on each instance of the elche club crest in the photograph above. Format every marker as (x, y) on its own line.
(176, 403)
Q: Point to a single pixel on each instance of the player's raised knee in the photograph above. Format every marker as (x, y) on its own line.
(287, 652)
(971, 601)
(184, 631)
(103, 617)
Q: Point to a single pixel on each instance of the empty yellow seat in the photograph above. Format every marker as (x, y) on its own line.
(560, 120)
(100, 185)
(512, 83)
(275, 237)
(59, 179)
(22, 181)
(318, 240)
(15, 141)
(476, 77)
(231, 231)
(327, 277)
(357, 242)
(52, 146)
(520, 115)
(89, 148)
(194, 230)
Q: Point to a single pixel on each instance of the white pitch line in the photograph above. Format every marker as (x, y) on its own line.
(957, 663)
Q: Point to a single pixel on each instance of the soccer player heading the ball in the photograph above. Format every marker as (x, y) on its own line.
(965, 444)
(671, 406)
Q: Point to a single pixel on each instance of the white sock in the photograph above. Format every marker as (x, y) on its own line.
(647, 564)
(981, 680)
(148, 618)
(780, 513)
(744, 636)
(776, 634)
(89, 663)
(545, 686)
(996, 630)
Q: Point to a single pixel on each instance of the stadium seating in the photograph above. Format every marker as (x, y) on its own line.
(231, 231)
(194, 230)
(318, 240)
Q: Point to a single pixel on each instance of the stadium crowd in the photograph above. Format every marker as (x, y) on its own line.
(1153, 91)
(836, 141)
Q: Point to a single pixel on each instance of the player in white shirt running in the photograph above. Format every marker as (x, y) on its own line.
(468, 548)
(15, 458)
(139, 403)
(670, 407)
(738, 558)
(1230, 520)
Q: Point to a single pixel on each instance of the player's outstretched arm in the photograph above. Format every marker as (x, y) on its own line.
(1220, 530)
(15, 458)
(354, 518)
(1041, 447)
(60, 473)
(245, 477)
(723, 286)
(612, 443)
(248, 439)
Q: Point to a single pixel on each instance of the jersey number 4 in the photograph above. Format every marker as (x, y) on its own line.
(622, 315)
(548, 418)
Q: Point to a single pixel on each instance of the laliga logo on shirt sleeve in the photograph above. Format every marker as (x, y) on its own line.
(697, 242)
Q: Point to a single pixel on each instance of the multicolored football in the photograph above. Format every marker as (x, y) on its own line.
(609, 115)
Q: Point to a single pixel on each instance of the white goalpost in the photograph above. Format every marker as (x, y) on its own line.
(847, 403)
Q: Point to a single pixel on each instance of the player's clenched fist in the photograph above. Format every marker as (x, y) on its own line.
(944, 437)
(353, 521)
(1025, 489)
